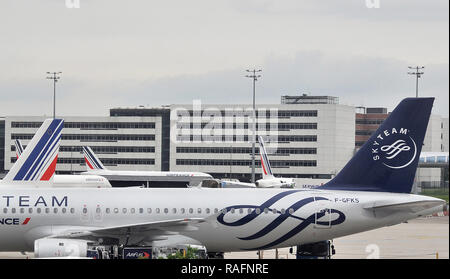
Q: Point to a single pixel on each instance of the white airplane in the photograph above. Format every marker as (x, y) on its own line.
(269, 180)
(132, 178)
(371, 191)
(65, 180)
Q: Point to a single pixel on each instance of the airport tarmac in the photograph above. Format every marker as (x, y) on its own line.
(422, 238)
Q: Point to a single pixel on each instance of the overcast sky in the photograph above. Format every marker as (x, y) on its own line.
(127, 53)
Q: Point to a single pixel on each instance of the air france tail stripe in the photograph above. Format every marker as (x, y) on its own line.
(37, 150)
(19, 147)
(262, 164)
(89, 158)
(44, 154)
(34, 153)
(44, 161)
(47, 158)
(267, 164)
(89, 164)
(50, 170)
(92, 158)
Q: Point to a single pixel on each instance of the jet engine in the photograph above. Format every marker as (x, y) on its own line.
(54, 247)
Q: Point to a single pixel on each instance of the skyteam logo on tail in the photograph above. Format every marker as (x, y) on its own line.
(395, 148)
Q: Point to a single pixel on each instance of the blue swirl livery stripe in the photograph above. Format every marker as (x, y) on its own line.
(248, 218)
(305, 222)
(308, 221)
(280, 219)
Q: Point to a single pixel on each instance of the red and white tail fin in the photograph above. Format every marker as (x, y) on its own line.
(92, 161)
(265, 164)
(36, 165)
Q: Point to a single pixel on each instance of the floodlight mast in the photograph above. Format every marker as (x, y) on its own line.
(55, 78)
(418, 75)
(255, 77)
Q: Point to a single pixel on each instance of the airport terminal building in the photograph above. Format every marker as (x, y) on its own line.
(306, 137)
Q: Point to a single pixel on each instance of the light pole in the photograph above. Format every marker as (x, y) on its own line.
(55, 79)
(255, 77)
(418, 75)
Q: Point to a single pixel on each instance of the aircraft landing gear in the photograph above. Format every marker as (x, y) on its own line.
(318, 250)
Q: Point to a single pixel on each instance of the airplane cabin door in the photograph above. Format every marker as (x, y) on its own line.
(322, 217)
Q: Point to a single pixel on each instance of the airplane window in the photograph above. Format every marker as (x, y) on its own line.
(55, 210)
(224, 210)
(158, 210)
(174, 210)
(208, 211)
(133, 210)
(266, 210)
(84, 210)
(108, 210)
(166, 210)
(274, 211)
(22, 210)
(183, 210)
(241, 211)
(30, 210)
(13, 210)
(64, 210)
(47, 210)
(141, 210)
(216, 210)
(232, 211)
(124, 210)
(98, 210)
(38, 210)
(116, 210)
(149, 210)
(283, 211)
(72, 210)
(5, 210)
(199, 210)
(258, 210)
(291, 210)
(191, 210)
(249, 210)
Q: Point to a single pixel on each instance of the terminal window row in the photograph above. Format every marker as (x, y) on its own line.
(369, 121)
(93, 138)
(90, 125)
(105, 161)
(246, 150)
(221, 162)
(267, 126)
(104, 149)
(259, 113)
(245, 138)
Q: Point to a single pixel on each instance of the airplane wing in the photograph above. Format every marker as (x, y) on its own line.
(148, 231)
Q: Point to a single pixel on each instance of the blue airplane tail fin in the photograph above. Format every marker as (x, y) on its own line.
(387, 162)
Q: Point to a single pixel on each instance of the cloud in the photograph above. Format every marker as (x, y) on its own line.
(152, 53)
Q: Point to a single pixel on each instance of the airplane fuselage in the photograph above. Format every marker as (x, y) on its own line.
(255, 218)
